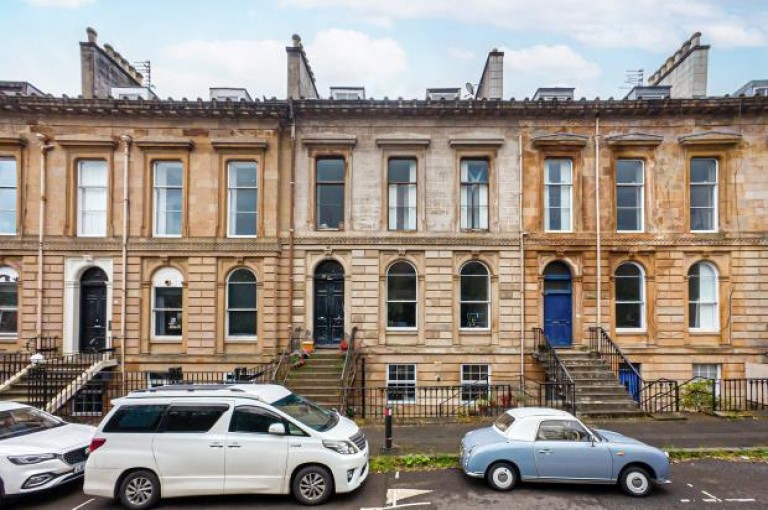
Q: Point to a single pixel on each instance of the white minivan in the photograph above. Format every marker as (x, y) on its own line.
(185, 440)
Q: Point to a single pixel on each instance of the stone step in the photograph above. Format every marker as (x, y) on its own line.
(601, 390)
(603, 398)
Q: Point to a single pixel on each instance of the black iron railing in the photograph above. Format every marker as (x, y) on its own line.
(410, 401)
(659, 396)
(601, 344)
(48, 377)
(11, 364)
(739, 394)
(559, 388)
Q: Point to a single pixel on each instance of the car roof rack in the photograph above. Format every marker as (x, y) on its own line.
(191, 388)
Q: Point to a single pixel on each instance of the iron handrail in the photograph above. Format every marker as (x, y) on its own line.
(544, 349)
(600, 342)
(349, 369)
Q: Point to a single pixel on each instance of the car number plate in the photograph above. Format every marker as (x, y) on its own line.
(79, 468)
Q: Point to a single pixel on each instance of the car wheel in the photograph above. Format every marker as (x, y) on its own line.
(139, 490)
(312, 485)
(635, 481)
(502, 476)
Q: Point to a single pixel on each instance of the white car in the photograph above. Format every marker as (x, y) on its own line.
(182, 440)
(39, 451)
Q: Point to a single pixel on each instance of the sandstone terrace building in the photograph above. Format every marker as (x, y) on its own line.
(443, 229)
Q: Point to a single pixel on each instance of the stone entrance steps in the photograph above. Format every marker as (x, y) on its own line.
(320, 378)
(598, 392)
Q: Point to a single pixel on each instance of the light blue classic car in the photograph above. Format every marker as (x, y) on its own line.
(535, 444)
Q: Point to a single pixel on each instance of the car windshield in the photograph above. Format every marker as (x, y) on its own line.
(307, 412)
(25, 420)
(504, 422)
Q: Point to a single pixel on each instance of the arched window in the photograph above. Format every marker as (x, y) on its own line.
(167, 303)
(702, 297)
(630, 296)
(401, 296)
(242, 310)
(9, 301)
(475, 296)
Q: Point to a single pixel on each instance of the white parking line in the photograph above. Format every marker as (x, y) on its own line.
(740, 500)
(712, 499)
(81, 505)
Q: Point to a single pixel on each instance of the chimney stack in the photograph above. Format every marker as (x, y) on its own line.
(301, 79)
(104, 68)
(686, 70)
(491, 85)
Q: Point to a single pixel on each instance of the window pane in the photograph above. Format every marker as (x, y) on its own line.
(242, 276)
(629, 171)
(9, 296)
(9, 321)
(702, 219)
(330, 205)
(330, 170)
(242, 323)
(557, 171)
(402, 171)
(703, 170)
(192, 419)
(702, 196)
(135, 419)
(93, 173)
(168, 323)
(628, 288)
(474, 315)
(242, 174)
(401, 373)
(401, 288)
(242, 295)
(401, 315)
(474, 171)
(7, 222)
(628, 219)
(628, 196)
(252, 420)
(168, 297)
(244, 224)
(629, 315)
(7, 173)
(474, 288)
(168, 173)
(244, 200)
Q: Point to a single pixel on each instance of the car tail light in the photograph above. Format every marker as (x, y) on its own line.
(96, 443)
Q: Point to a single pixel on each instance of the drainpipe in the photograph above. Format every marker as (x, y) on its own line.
(292, 221)
(597, 223)
(44, 148)
(522, 259)
(126, 139)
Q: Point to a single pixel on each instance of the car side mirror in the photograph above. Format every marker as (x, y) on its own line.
(277, 429)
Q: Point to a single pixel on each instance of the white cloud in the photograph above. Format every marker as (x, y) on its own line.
(461, 54)
(656, 25)
(348, 57)
(68, 4)
(338, 57)
(541, 66)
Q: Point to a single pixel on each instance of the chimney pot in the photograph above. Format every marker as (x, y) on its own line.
(296, 40)
(92, 35)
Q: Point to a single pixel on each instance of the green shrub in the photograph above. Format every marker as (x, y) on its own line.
(697, 396)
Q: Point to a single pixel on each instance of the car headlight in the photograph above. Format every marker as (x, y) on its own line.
(342, 447)
(35, 458)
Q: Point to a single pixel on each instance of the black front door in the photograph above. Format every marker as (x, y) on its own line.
(93, 310)
(329, 304)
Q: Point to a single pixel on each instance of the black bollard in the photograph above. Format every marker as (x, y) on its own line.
(387, 429)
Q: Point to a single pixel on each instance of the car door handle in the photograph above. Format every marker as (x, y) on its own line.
(545, 451)
(295, 445)
(233, 445)
(216, 445)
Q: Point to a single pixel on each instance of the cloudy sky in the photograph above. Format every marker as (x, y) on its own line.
(392, 47)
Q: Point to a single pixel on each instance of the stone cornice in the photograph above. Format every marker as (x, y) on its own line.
(560, 140)
(12, 141)
(330, 141)
(403, 141)
(240, 143)
(710, 138)
(279, 109)
(634, 140)
(471, 142)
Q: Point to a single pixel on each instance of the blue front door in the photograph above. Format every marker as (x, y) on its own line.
(558, 309)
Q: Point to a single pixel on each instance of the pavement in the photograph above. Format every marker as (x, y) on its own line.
(700, 484)
(698, 431)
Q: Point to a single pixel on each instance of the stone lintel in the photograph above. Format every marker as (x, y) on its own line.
(240, 144)
(710, 138)
(86, 140)
(634, 140)
(13, 140)
(476, 142)
(165, 142)
(330, 141)
(560, 140)
(403, 141)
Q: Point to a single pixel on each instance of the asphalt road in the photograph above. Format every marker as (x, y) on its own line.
(700, 484)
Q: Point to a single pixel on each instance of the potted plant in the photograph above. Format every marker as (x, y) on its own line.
(344, 345)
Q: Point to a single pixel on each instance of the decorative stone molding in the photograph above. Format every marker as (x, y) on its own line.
(12, 140)
(560, 140)
(634, 140)
(240, 143)
(710, 138)
(474, 142)
(403, 141)
(330, 141)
